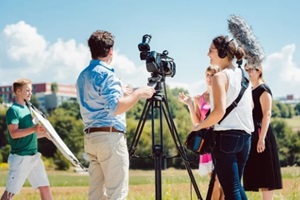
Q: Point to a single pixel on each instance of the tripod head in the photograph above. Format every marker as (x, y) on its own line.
(156, 82)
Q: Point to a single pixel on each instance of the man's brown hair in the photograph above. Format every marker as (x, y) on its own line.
(100, 43)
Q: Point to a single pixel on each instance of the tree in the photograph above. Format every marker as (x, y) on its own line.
(284, 111)
(182, 121)
(3, 127)
(287, 142)
(5, 152)
(143, 146)
(275, 109)
(71, 108)
(293, 145)
(1, 157)
(297, 109)
(61, 162)
(54, 87)
(136, 111)
(69, 129)
(34, 101)
(67, 122)
(291, 111)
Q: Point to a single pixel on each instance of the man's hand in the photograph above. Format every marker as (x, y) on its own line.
(146, 92)
(127, 90)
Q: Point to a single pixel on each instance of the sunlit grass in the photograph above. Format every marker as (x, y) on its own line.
(175, 185)
(293, 122)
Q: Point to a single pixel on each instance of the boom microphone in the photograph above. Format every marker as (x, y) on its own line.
(245, 38)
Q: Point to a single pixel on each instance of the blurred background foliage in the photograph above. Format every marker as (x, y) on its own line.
(67, 122)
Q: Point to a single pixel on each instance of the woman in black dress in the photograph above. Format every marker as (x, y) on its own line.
(262, 171)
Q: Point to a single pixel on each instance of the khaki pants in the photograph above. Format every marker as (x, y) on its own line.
(109, 165)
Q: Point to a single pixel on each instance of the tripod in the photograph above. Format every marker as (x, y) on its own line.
(159, 102)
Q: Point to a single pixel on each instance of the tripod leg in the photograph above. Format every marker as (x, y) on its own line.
(157, 155)
(157, 148)
(139, 128)
(180, 148)
(211, 185)
(157, 142)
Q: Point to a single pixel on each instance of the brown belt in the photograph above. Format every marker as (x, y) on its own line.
(101, 129)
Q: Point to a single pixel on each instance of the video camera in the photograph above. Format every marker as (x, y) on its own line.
(157, 63)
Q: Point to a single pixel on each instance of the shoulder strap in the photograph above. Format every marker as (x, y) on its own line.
(245, 84)
(31, 106)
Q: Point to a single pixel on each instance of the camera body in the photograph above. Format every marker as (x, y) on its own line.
(156, 63)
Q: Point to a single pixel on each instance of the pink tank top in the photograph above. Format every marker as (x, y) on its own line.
(204, 107)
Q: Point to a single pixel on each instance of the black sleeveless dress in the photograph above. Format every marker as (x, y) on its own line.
(262, 170)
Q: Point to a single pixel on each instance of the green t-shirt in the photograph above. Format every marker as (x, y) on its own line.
(20, 115)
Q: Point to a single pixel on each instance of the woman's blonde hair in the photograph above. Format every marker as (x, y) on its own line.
(258, 68)
(213, 68)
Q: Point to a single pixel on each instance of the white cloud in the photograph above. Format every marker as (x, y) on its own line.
(26, 53)
(23, 42)
(133, 75)
(193, 89)
(282, 73)
(122, 63)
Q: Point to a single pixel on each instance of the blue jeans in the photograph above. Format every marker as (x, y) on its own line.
(230, 156)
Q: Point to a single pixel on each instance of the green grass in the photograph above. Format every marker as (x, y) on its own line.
(175, 185)
(294, 122)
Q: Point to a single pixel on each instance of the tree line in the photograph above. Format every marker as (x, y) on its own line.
(67, 122)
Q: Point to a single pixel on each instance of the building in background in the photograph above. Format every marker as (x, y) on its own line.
(289, 99)
(49, 95)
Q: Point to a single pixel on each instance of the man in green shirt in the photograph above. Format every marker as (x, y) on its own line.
(24, 159)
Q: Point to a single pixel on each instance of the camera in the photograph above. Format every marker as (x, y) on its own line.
(156, 63)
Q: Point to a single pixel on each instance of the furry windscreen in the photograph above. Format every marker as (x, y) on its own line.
(245, 37)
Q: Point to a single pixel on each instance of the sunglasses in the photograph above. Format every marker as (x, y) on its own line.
(251, 69)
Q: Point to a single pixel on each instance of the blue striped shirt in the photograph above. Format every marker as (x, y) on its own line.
(98, 91)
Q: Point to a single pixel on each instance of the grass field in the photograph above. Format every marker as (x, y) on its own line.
(294, 123)
(175, 185)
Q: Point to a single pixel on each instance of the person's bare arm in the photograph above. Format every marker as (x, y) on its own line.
(127, 90)
(15, 132)
(127, 102)
(187, 100)
(196, 117)
(219, 87)
(266, 106)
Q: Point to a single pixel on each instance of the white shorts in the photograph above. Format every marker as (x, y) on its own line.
(22, 167)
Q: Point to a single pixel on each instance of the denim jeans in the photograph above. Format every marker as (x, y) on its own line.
(230, 156)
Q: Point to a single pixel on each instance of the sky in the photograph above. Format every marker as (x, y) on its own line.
(46, 41)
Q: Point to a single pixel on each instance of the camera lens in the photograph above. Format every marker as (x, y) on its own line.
(144, 46)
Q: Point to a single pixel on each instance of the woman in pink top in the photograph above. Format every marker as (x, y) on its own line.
(205, 161)
(198, 109)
